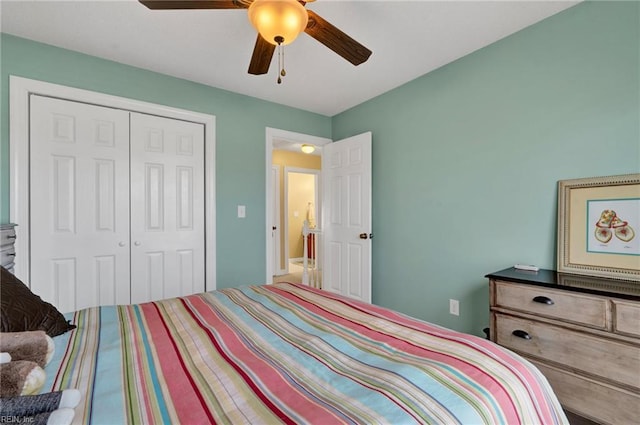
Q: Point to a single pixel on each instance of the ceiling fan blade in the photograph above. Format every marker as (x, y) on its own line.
(261, 58)
(196, 4)
(336, 40)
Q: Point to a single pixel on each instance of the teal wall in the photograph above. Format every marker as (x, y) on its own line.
(240, 138)
(466, 159)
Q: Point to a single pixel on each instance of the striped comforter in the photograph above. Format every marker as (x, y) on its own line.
(287, 353)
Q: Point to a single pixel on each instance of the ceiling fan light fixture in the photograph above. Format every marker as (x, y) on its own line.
(278, 20)
(307, 148)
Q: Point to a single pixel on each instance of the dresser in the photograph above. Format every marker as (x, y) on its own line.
(582, 332)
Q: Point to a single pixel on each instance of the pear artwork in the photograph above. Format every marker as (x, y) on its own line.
(610, 224)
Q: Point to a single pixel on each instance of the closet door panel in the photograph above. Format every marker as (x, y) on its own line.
(167, 208)
(79, 196)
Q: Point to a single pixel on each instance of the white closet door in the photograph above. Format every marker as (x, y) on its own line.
(79, 216)
(167, 208)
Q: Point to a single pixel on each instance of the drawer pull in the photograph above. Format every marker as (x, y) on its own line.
(521, 334)
(543, 300)
(11, 237)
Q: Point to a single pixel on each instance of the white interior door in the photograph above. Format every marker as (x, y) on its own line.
(79, 197)
(167, 208)
(346, 218)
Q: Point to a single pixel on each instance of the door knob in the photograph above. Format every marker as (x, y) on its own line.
(273, 228)
(137, 243)
(364, 236)
(121, 244)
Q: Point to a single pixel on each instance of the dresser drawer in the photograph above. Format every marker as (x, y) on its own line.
(610, 405)
(601, 357)
(626, 318)
(572, 307)
(7, 256)
(7, 236)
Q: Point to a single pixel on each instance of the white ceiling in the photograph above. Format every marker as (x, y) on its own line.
(213, 47)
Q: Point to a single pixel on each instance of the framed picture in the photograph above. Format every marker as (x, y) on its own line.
(599, 225)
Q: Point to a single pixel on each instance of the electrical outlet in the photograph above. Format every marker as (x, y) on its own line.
(454, 307)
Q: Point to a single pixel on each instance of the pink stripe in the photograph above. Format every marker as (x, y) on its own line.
(182, 389)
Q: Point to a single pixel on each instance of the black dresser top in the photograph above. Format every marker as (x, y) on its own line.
(571, 282)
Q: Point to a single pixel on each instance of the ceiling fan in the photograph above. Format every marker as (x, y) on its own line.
(309, 22)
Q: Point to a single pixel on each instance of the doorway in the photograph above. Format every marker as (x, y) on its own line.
(282, 140)
(346, 232)
(301, 201)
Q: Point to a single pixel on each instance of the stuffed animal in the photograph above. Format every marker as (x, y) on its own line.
(20, 377)
(22, 359)
(35, 346)
(31, 352)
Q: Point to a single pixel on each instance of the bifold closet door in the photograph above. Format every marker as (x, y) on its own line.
(79, 198)
(167, 208)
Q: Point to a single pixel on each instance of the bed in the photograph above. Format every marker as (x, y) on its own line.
(288, 353)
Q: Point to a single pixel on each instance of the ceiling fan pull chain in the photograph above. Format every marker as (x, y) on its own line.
(282, 73)
(279, 62)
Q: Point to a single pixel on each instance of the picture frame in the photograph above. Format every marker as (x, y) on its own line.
(599, 226)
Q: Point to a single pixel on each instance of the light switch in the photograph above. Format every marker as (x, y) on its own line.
(296, 214)
(242, 211)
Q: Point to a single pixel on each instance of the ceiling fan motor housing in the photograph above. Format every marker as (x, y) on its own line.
(278, 21)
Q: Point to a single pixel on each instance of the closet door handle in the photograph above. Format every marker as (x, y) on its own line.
(543, 300)
(521, 334)
(121, 243)
(137, 243)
